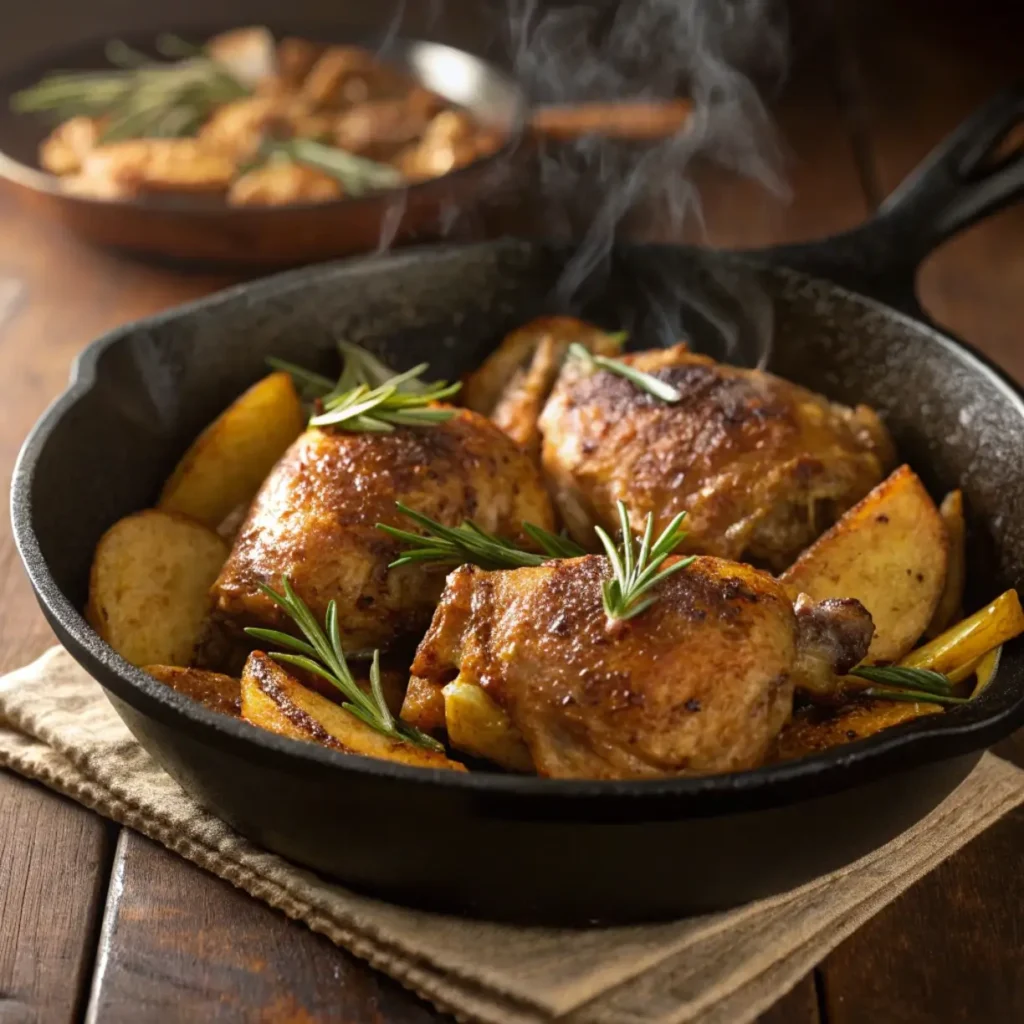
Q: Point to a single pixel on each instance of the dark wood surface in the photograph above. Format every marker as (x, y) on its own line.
(109, 927)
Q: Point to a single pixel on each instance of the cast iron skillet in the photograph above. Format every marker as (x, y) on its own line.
(184, 228)
(528, 848)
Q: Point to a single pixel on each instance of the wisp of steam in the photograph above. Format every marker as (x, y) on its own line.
(716, 52)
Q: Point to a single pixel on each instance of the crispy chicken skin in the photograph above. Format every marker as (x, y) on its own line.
(513, 383)
(760, 465)
(314, 520)
(700, 682)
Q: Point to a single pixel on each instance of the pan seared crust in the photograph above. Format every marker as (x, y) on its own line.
(700, 682)
(760, 465)
(314, 520)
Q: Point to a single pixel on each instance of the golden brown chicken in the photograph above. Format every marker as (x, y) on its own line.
(701, 681)
(760, 465)
(314, 520)
(513, 383)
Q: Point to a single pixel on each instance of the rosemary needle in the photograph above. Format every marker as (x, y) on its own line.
(636, 573)
(470, 544)
(322, 654)
(640, 380)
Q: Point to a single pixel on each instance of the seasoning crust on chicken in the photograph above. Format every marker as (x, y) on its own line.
(314, 520)
(701, 681)
(760, 465)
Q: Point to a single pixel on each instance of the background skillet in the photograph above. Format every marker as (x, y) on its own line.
(503, 846)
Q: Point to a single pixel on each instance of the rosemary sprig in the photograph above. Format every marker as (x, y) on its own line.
(356, 174)
(898, 682)
(469, 543)
(635, 573)
(322, 654)
(383, 408)
(640, 380)
(358, 367)
(140, 98)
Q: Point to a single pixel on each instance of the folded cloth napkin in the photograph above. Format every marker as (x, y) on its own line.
(56, 726)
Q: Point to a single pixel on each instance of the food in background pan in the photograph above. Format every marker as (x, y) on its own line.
(250, 119)
(630, 628)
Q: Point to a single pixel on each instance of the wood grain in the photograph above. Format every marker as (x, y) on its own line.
(799, 1006)
(179, 944)
(54, 858)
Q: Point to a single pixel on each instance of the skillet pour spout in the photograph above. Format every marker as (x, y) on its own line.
(502, 846)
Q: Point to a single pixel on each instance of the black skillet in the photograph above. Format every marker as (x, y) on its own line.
(528, 848)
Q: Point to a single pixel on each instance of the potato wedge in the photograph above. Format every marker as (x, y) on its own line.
(889, 552)
(149, 586)
(950, 606)
(275, 700)
(213, 690)
(812, 730)
(477, 726)
(967, 641)
(226, 464)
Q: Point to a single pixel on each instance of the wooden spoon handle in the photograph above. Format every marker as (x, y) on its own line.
(631, 120)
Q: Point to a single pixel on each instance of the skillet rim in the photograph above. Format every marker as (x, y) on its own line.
(923, 741)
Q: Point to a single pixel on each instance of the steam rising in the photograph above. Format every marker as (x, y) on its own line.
(710, 50)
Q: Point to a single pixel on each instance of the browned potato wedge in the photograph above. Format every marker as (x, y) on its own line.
(477, 726)
(149, 586)
(229, 460)
(213, 690)
(889, 552)
(812, 730)
(950, 606)
(962, 645)
(275, 700)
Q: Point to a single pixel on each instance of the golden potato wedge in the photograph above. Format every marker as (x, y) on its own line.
(950, 606)
(963, 644)
(213, 690)
(229, 460)
(149, 586)
(812, 730)
(987, 669)
(275, 700)
(477, 726)
(889, 552)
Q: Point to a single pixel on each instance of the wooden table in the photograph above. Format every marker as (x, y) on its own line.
(99, 923)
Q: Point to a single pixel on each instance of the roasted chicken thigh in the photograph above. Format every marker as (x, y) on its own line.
(314, 521)
(701, 681)
(760, 465)
(514, 381)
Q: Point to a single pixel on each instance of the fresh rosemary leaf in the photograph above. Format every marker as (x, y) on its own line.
(457, 545)
(899, 682)
(640, 380)
(635, 573)
(310, 385)
(555, 545)
(909, 678)
(356, 174)
(383, 408)
(323, 655)
(362, 367)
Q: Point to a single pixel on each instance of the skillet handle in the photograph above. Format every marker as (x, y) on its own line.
(969, 176)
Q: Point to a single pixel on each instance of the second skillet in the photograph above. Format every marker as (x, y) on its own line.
(211, 232)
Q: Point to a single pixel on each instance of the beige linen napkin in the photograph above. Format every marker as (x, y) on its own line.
(57, 726)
